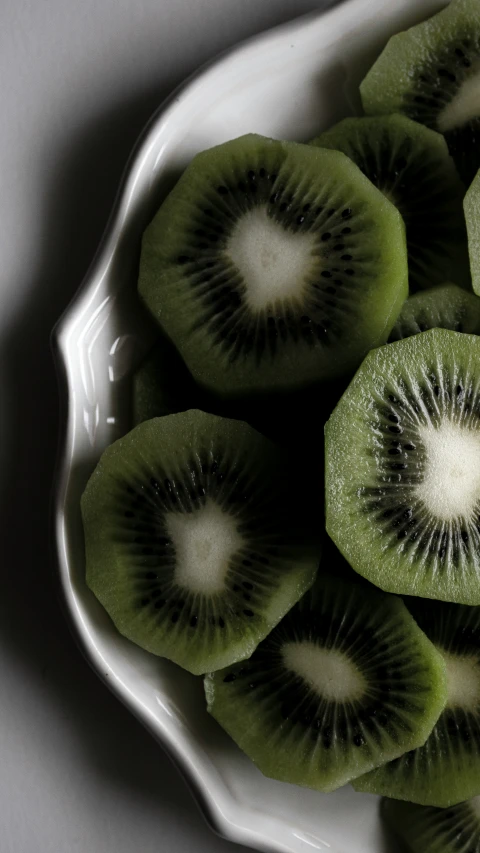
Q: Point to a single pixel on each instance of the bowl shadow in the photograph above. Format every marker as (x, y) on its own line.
(34, 634)
(74, 209)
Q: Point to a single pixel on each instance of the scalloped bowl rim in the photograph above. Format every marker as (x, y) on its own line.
(225, 813)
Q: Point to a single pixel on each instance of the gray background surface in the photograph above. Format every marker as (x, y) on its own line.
(78, 81)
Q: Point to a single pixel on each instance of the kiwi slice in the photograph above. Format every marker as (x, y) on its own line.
(445, 307)
(272, 265)
(430, 830)
(471, 206)
(403, 467)
(345, 680)
(411, 165)
(162, 385)
(200, 535)
(446, 769)
(431, 73)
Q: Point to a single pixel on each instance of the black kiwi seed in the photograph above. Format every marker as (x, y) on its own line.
(430, 221)
(454, 829)
(196, 454)
(431, 83)
(426, 540)
(455, 737)
(278, 694)
(239, 339)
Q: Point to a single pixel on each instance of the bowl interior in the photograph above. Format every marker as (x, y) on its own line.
(290, 83)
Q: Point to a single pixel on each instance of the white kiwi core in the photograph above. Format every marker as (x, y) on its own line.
(329, 672)
(464, 106)
(463, 681)
(275, 263)
(451, 485)
(205, 540)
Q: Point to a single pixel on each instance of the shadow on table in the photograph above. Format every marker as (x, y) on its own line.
(73, 211)
(32, 626)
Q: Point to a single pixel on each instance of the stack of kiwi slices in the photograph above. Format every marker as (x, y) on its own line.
(200, 535)
(295, 515)
(272, 265)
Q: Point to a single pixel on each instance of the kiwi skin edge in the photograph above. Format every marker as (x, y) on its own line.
(362, 536)
(257, 704)
(167, 270)
(171, 466)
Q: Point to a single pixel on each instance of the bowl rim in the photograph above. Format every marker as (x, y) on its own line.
(234, 824)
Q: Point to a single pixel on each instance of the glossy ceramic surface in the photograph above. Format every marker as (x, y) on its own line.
(291, 83)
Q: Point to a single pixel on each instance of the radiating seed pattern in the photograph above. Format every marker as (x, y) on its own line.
(264, 522)
(436, 85)
(379, 647)
(398, 418)
(327, 310)
(451, 755)
(412, 175)
(428, 829)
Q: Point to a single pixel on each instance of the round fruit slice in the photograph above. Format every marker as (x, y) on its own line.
(411, 165)
(272, 265)
(446, 769)
(471, 206)
(344, 681)
(431, 73)
(445, 307)
(403, 467)
(199, 537)
(162, 384)
(428, 830)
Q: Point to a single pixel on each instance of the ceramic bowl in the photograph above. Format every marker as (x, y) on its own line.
(291, 82)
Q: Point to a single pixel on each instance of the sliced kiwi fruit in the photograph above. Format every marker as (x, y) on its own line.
(344, 680)
(200, 535)
(431, 73)
(444, 307)
(162, 385)
(402, 467)
(430, 830)
(272, 265)
(471, 206)
(446, 769)
(411, 165)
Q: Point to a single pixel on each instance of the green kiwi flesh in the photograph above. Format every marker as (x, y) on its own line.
(403, 468)
(446, 769)
(272, 265)
(430, 830)
(411, 165)
(431, 73)
(444, 307)
(200, 535)
(346, 679)
(471, 206)
(162, 385)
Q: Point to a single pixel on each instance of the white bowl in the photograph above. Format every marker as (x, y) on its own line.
(291, 83)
